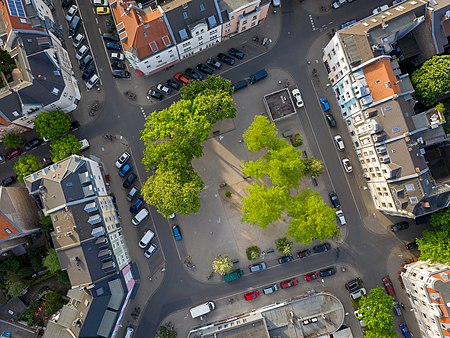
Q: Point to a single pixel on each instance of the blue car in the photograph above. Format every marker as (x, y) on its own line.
(324, 104)
(125, 169)
(137, 205)
(405, 330)
(177, 233)
(113, 46)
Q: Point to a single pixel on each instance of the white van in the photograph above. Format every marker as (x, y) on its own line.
(148, 236)
(129, 332)
(202, 309)
(141, 215)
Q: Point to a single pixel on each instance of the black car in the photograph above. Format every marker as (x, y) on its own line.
(322, 248)
(32, 144)
(225, 58)
(285, 259)
(88, 72)
(236, 53)
(155, 94)
(87, 60)
(117, 65)
(354, 284)
(399, 226)
(129, 180)
(74, 125)
(8, 181)
(334, 200)
(173, 84)
(330, 120)
(412, 245)
(327, 272)
(110, 37)
(121, 74)
(214, 63)
(113, 46)
(193, 74)
(66, 3)
(205, 69)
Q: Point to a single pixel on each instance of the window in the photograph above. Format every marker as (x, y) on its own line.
(185, 15)
(202, 7)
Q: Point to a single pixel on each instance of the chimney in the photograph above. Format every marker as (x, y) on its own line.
(426, 205)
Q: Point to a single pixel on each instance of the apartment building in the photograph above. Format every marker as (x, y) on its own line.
(377, 103)
(43, 79)
(428, 288)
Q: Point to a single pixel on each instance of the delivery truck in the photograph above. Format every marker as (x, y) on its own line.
(202, 309)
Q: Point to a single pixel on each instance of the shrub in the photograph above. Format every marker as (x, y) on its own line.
(253, 252)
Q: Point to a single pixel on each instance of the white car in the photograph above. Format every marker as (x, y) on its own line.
(100, 2)
(151, 249)
(338, 3)
(122, 160)
(117, 56)
(92, 81)
(71, 13)
(82, 52)
(297, 97)
(347, 165)
(78, 40)
(340, 217)
(166, 90)
(358, 293)
(359, 317)
(380, 9)
(339, 143)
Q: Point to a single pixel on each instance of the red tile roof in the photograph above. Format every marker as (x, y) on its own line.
(7, 230)
(381, 79)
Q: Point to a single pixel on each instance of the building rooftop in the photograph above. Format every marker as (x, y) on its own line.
(381, 79)
(279, 105)
(232, 5)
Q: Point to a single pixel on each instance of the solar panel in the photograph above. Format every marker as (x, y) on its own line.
(16, 8)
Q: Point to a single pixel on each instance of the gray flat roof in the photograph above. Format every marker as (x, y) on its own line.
(279, 105)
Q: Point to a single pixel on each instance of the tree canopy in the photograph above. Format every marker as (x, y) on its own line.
(261, 134)
(432, 79)
(54, 301)
(7, 63)
(25, 166)
(62, 148)
(284, 245)
(52, 125)
(222, 265)
(376, 311)
(12, 140)
(51, 261)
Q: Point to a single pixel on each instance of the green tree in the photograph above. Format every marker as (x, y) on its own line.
(376, 311)
(7, 63)
(10, 264)
(313, 166)
(263, 205)
(284, 245)
(25, 166)
(54, 301)
(222, 265)
(15, 285)
(170, 190)
(253, 252)
(35, 258)
(52, 125)
(13, 141)
(166, 332)
(51, 261)
(46, 224)
(441, 219)
(434, 246)
(262, 134)
(311, 218)
(440, 107)
(432, 79)
(62, 148)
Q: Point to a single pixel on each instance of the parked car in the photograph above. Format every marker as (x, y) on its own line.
(288, 283)
(359, 317)
(88, 72)
(214, 63)
(173, 84)
(354, 284)
(239, 85)
(310, 276)
(205, 69)
(122, 159)
(100, 2)
(137, 205)
(162, 88)
(110, 37)
(13, 153)
(32, 144)
(8, 181)
(258, 267)
(297, 98)
(251, 295)
(324, 104)
(348, 23)
(304, 253)
(358, 293)
(125, 169)
(121, 74)
(193, 74)
(66, 3)
(180, 77)
(225, 58)
(339, 143)
(334, 200)
(397, 308)
(412, 245)
(236, 53)
(74, 125)
(113, 46)
(155, 94)
(330, 120)
(87, 60)
(150, 251)
(347, 165)
(118, 65)
(77, 40)
(285, 259)
(92, 81)
(117, 56)
(388, 286)
(404, 330)
(338, 3)
(270, 289)
(82, 52)
(71, 13)
(102, 10)
(399, 226)
(380, 9)
(340, 217)
(177, 232)
(322, 248)
(129, 180)
(327, 272)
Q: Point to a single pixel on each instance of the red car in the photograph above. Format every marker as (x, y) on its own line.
(251, 295)
(289, 283)
(388, 286)
(183, 79)
(311, 276)
(304, 253)
(13, 153)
